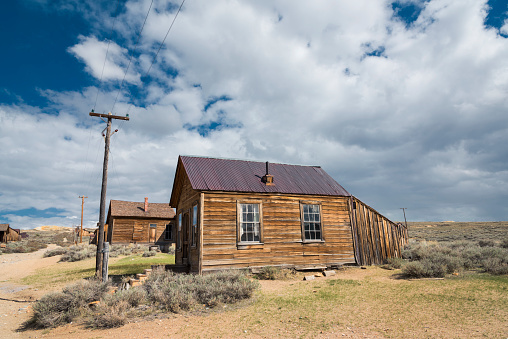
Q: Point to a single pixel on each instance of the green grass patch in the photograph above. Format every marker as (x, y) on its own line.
(67, 272)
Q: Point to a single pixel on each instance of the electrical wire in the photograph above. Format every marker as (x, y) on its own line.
(156, 55)
(107, 51)
(132, 55)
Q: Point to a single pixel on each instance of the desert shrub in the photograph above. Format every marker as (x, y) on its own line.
(55, 251)
(423, 269)
(85, 291)
(393, 263)
(117, 250)
(176, 292)
(275, 273)
(134, 296)
(109, 313)
(51, 310)
(58, 308)
(77, 253)
(149, 253)
(485, 243)
(504, 243)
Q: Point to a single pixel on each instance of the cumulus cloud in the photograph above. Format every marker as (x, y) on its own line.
(400, 115)
(93, 52)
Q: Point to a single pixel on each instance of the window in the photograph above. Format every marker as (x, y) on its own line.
(168, 232)
(194, 224)
(179, 232)
(153, 225)
(249, 225)
(311, 223)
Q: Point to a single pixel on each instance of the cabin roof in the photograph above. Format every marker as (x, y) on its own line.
(120, 208)
(212, 174)
(4, 227)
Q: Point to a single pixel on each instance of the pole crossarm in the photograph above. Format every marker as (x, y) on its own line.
(108, 116)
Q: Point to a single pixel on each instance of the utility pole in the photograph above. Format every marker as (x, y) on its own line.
(81, 232)
(100, 236)
(404, 211)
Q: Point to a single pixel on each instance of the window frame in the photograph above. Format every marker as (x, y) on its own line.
(179, 220)
(302, 221)
(194, 224)
(169, 226)
(239, 204)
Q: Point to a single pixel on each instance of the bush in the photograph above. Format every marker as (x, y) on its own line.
(275, 273)
(58, 308)
(149, 253)
(77, 253)
(176, 292)
(109, 313)
(485, 243)
(51, 310)
(504, 243)
(423, 269)
(134, 296)
(55, 251)
(393, 263)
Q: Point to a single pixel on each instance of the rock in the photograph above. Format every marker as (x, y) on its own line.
(328, 273)
(309, 277)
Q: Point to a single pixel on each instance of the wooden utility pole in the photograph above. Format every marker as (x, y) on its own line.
(100, 236)
(81, 232)
(404, 211)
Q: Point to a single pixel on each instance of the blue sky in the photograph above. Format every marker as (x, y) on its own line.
(403, 103)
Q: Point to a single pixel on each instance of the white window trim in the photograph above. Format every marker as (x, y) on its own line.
(239, 204)
(302, 222)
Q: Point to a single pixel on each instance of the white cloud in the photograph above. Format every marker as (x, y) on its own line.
(93, 52)
(423, 126)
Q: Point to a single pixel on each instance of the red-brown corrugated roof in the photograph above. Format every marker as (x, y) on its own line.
(211, 174)
(120, 208)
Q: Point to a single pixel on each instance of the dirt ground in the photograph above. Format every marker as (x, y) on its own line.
(16, 300)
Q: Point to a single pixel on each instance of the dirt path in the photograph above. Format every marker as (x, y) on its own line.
(16, 298)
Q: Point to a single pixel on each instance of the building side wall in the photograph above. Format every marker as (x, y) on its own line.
(282, 232)
(133, 230)
(188, 198)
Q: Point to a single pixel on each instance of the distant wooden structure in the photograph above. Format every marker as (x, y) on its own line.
(9, 234)
(246, 214)
(140, 223)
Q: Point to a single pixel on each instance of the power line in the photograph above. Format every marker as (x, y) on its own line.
(132, 55)
(157, 54)
(107, 51)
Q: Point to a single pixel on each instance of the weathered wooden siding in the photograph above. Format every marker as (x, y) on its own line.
(282, 232)
(9, 235)
(132, 230)
(188, 198)
(375, 237)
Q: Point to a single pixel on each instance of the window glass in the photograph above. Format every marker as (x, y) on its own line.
(194, 224)
(249, 223)
(168, 233)
(311, 222)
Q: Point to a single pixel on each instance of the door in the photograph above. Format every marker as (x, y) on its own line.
(153, 233)
(185, 238)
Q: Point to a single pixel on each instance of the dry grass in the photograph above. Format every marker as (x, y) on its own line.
(454, 231)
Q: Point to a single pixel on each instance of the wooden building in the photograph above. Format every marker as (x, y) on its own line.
(241, 214)
(140, 223)
(9, 234)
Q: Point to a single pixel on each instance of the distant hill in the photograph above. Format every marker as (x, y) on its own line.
(54, 228)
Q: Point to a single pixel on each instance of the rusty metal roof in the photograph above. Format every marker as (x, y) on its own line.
(211, 174)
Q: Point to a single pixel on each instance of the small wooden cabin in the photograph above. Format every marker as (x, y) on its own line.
(241, 214)
(9, 234)
(140, 223)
